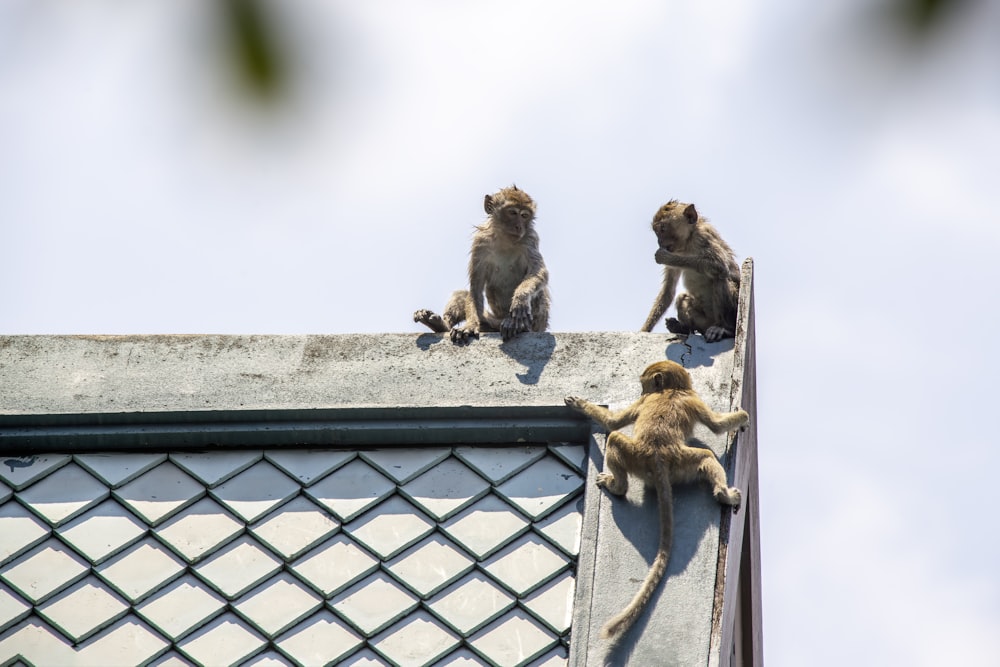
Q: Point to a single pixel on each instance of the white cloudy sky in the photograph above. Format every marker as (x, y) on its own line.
(138, 194)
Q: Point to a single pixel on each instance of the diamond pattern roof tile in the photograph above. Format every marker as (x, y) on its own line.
(141, 569)
(20, 471)
(295, 528)
(563, 527)
(223, 641)
(199, 530)
(309, 465)
(323, 639)
(45, 570)
(102, 531)
(64, 494)
(351, 490)
(525, 564)
(471, 603)
(256, 491)
(238, 567)
(418, 639)
(213, 468)
(334, 565)
(12, 608)
(486, 526)
(390, 528)
(120, 468)
(552, 604)
(573, 455)
(127, 642)
(430, 565)
(498, 464)
(19, 530)
(374, 603)
(431, 555)
(181, 607)
(515, 639)
(63, 610)
(277, 604)
(540, 489)
(402, 465)
(445, 489)
(160, 493)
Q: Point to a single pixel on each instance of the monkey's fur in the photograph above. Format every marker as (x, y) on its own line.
(689, 245)
(507, 266)
(657, 453)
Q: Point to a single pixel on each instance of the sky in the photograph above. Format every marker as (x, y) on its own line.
(141, 192)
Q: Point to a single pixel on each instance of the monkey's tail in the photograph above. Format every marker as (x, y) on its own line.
(619, 624)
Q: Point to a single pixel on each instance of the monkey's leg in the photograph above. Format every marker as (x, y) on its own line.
(431, 319)
(615, 477)
(708, 468)
(454, 310)
(682, 323)
(695, 317)
(690, 316)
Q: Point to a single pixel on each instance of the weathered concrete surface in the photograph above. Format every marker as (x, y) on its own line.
(108, 374)
(94, 375)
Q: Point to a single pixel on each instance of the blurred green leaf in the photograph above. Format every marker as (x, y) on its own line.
(255, 48)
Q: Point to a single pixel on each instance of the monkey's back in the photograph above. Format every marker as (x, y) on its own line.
(665, 420)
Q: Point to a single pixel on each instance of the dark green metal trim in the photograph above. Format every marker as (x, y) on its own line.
(348, 427)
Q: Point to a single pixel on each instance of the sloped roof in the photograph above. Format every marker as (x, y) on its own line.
(252, 425)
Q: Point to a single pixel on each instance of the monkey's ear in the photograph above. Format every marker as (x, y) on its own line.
(691, 214)
(658, 381)
(488, 204)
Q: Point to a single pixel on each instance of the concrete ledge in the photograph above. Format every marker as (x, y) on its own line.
(88, 375)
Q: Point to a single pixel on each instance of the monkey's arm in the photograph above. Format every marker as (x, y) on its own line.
(719, 422)
(521, 317)
(600, 414)
(663, 299)
(703, 264)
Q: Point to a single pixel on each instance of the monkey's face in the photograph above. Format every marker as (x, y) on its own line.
(515, 220)
(674, 224)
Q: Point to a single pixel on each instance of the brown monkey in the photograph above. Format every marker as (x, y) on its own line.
(689, 245)
(657, 453)
(507, 266)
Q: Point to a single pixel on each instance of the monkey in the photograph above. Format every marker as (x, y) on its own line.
(657, 453)
(689, 245)
(505, 264)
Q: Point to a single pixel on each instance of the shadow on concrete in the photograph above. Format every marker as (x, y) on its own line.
(533, 350)
(694, 512)
(425, 340)
(694, 350)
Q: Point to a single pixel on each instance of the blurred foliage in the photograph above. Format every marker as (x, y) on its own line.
(255, 48)
(921, 17)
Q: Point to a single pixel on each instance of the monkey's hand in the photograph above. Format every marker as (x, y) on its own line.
(462, 335)
(577, 403)
(518, 321)
(664, 256)
(715, 333)
(744, 419)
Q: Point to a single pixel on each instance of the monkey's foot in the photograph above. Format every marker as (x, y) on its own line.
(730, 496)
(431, 319)
(674, 326)
(606, 480)
(716, 333)
(463, 335)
